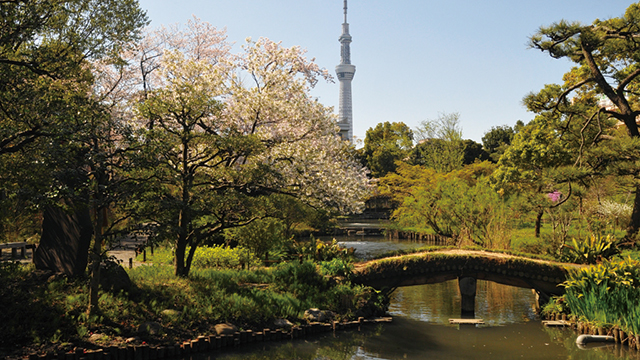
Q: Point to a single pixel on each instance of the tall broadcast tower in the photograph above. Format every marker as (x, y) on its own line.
(345, 72)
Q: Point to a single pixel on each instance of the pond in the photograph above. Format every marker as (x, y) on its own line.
(421, 329)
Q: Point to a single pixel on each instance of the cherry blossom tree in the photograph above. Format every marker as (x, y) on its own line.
(225, 131)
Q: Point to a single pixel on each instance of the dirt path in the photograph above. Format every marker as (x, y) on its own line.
(125, 249)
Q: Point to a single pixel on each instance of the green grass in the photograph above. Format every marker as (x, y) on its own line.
(53, 313)
(433, 248)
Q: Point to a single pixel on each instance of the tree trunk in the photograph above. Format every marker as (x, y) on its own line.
(181, 247)
(538, 223)
(634, 223)
(95, 262)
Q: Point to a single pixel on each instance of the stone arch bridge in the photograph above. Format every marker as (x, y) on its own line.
(467, 266)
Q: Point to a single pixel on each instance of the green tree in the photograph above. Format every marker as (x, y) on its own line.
(440, 145)
(44, 50)
(472, 152)
(530, 166)
(460, 204)
(605, 77)
(385, 144)
(46, 53)
(497, 139)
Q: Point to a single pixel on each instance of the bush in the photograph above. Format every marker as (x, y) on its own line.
(337, 267)
(225, 257)
(589, 251)
(318, 250)
(214, 257)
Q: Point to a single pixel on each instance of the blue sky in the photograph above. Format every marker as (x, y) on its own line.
(415, 59)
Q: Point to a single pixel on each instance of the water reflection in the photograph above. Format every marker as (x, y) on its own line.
(437, 303)
(420, 330)
(368, 246)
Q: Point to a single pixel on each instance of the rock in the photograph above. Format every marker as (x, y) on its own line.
(317, 315)
(151, 328)
(283, 323)
(171, 314)
(114, 278)
(96, 337)
(225, 329)
(65, 240)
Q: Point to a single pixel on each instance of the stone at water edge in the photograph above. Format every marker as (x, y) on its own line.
(226, 329)
(151, 328)
(283, 323)
(317, 315)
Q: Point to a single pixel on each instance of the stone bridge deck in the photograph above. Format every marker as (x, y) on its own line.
(439, 266)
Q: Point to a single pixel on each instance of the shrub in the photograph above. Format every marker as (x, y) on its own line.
(318, 250)
(337, 267)
(589, 251)
(220, 256)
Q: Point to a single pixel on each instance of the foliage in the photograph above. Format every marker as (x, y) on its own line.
(209, 257)
(591, 250)
(224, 257)
(597, 92)
(337, 267)
(473, 152)
(606, 293)
(384, 145)
(536, 163)
(218, 146)
(44, 51)
(54, 313)
(556, 305)
(318, 250)
(460, 204)
(497, 140)
(259, 236)
(440, 144)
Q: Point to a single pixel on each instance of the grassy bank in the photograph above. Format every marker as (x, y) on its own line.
(41, 312)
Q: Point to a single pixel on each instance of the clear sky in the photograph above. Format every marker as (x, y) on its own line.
(415, 59)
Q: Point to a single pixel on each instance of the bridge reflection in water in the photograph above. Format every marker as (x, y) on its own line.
(544, 277)
(496, 304)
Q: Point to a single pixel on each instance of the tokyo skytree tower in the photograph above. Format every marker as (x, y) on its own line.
(345, 72)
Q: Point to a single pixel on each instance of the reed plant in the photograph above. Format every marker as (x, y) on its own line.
(606, 294)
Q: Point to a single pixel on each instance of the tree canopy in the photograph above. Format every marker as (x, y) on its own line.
(385, 144)
(602, 85)
(44, 50)
(218, 145)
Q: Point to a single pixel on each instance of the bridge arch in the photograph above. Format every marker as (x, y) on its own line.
(545, 277)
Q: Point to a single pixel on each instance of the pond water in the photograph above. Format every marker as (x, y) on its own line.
(367, 247)
(421, 329)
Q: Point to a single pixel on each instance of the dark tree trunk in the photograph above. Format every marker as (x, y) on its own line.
(95, 262)
(634, 223)
(538, 223)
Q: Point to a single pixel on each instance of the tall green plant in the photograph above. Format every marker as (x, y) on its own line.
(590, 250)
(606, 293)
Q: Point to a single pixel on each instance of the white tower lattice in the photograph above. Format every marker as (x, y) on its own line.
(345, 72)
